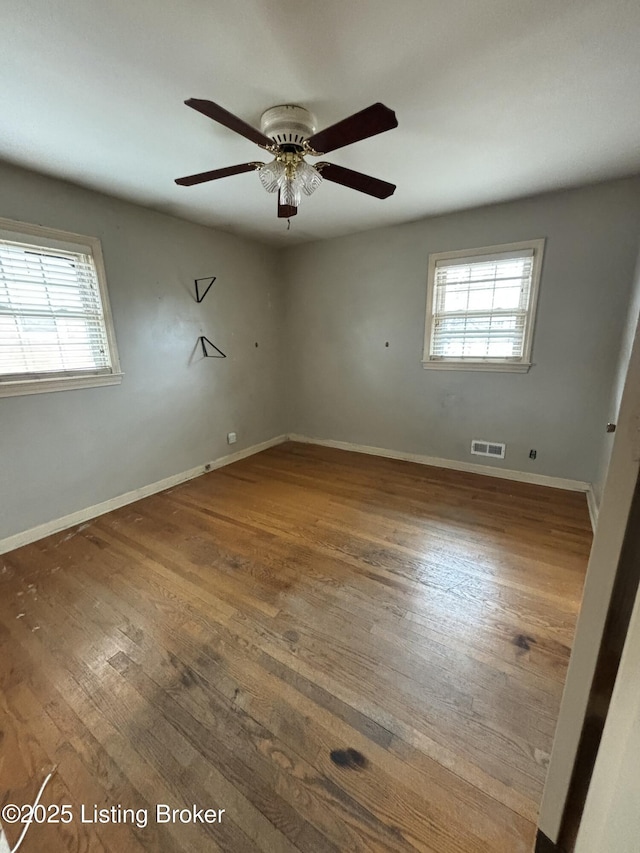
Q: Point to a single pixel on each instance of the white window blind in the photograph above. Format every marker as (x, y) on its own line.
(51, 317)
(481, 306)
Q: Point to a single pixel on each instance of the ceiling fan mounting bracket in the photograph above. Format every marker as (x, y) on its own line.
(288, 124)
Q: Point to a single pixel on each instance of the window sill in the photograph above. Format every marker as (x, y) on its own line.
(500, 366)
(17, 388)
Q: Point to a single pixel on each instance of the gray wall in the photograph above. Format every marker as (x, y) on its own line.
(629, 331)
(321, 314)
(64, 451)
(347, 297)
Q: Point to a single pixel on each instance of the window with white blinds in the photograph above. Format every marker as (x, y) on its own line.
(481, 305)
(53, 323)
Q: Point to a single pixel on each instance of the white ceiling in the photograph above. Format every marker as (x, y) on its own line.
(495, 99)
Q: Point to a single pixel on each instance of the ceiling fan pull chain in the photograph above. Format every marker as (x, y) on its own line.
(288, 225)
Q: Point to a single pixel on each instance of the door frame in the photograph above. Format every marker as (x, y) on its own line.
(609, 533)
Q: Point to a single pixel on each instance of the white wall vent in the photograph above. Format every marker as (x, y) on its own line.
(488, 448)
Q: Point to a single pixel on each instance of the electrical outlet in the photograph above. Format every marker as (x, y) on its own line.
(231, 438)
(533, 454)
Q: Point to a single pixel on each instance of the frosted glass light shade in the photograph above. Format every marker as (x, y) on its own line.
(290, 192)
(271, 174)
(291, 183)
(309, 177)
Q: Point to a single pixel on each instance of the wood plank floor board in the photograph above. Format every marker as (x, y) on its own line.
(259, 690)
(346, 840)
(522, 621)
(351, 828)
(362, 662)
(325, 731)
(455, 576)
(148, 592)
(149, 734)
(345, 652)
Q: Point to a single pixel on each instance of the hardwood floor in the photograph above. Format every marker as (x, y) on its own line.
(344, 653)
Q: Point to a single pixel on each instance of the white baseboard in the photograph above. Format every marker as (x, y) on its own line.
(83, 515)
(470, 467)
(592, 503)
(58, 524)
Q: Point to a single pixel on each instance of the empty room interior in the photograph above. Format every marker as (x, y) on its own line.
(319, 504)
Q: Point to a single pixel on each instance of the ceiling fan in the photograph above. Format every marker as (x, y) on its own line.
(288, 132)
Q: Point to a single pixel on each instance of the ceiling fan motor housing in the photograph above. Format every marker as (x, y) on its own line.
(288, 124)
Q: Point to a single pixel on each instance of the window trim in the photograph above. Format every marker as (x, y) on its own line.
(81, 379)
(515, 365)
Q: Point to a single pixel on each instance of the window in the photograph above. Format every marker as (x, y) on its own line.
(481, 307)
(55, 323)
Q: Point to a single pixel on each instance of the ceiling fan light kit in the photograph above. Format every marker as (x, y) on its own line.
(288, 132)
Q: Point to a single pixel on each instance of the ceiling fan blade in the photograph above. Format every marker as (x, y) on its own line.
(285, 211)
(356, 180)
(202, 177)
(368, 122)
(222, 116)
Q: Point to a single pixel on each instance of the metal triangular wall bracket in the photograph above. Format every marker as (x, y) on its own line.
(201, 296)
(203, 343)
